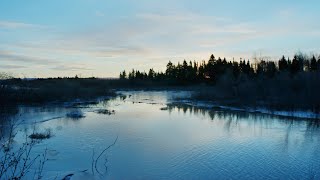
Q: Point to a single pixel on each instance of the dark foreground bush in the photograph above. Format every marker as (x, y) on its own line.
(41, 135)
(52, 90)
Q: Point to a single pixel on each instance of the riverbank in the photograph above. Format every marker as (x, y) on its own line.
(40, 91)
(73, 92)
(257, 110)
(182, 98)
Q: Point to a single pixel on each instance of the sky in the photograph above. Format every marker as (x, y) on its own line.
(50, 38)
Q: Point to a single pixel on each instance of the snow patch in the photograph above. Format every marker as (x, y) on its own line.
(76, 114)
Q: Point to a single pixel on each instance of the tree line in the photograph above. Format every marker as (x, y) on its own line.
(215, 68)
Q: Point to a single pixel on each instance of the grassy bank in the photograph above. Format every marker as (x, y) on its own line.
(282, 92)
(19, 91)
(14, 91)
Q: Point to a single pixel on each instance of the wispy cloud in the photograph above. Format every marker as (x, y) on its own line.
(11, 60)
(14, 57)
(18, 25)
(10, 66)
(144, 40)
(73, 67)
(152, 35)
(149, 33)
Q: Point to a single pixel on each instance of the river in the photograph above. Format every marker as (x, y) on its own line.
(158, 139)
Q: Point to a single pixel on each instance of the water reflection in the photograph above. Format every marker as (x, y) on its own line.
(233, 117)
(6, 120)
(243, 121)
(159, 139)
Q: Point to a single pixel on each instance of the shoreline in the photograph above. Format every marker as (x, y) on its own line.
(300, 114)
(212, 105)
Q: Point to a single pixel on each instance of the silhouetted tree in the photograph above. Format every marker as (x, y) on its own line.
(132, 75)
(271, 69)
(295, 66)
(283, 64)
(235, 69)
(171, 71)
(151, 74)
(123, 75)
(313, 64)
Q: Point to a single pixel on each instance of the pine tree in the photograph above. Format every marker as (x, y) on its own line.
(132, 75)
(123, 75)
(295, 67)
(313, 64)
(151, 74)
(283, 64)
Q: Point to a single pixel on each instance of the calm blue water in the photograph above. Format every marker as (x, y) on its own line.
(180, 142)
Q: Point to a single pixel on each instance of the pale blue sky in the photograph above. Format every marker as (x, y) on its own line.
(41, 38)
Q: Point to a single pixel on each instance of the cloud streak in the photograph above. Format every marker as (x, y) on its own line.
(13, 57)
(11, 61)
(150, 33)
(10, 66)
(18, 25)
(64, 67)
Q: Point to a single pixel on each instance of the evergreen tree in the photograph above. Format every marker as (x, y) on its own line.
(213, 69)
(313, 64)
(132, 75)
(295, 66)
(212, 60)
(210, 67)
(261, 68)
(202, 71)
(123, 75)
(283, 64)
(170, 71)
(271, 69)
(151, 74)
(235, 69)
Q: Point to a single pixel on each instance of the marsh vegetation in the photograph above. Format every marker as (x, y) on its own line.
(285, 84)
(18, 91)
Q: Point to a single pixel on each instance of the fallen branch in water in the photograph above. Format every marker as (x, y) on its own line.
(95, 161)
